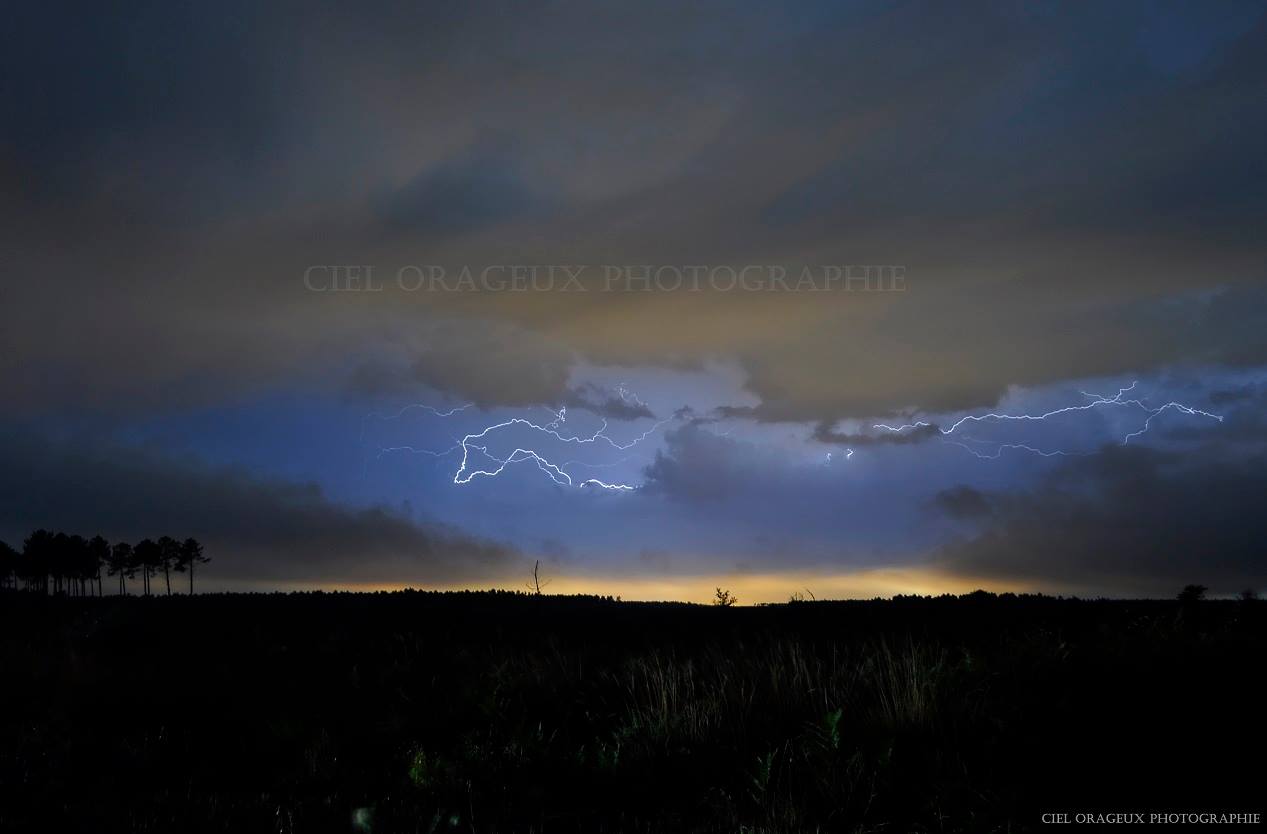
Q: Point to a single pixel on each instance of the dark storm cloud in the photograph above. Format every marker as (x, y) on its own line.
(736, 412)
(1051, 177)
(597, 401)
(481, 188)
(689, 416)
(1244, 425)
(493, 366)
(488, 363)
(1132, 521)
(254, 528)
(1232, 395)
(699, 466)
(1125, 520)
(963, 502)
(826, 433)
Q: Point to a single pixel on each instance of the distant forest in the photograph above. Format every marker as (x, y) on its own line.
(57, 563)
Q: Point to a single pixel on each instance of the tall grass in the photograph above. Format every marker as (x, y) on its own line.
(904, 683)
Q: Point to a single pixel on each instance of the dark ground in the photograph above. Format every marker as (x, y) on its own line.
(498, 712)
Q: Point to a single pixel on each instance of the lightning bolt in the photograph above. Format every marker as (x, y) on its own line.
(374, 415)
(556, 473)
(1097, 401)
(628, 396)
(1003, 447)
(468, 470)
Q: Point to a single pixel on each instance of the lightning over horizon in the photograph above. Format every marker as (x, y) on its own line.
(467, 471)
(477, 457)
(1097, 401)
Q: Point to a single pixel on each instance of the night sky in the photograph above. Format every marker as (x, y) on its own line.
(1072, 198)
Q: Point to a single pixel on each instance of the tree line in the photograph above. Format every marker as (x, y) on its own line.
(58, 563)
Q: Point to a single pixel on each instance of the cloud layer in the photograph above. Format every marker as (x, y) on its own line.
(163, 209)
(257, 529)
(1073, 193)
(1132, 521)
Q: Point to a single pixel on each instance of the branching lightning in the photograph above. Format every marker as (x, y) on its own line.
(374, 415)
(1097, 401)
(477, 461)
(468, 469)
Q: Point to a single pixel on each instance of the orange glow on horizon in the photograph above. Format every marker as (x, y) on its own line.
(749, 588)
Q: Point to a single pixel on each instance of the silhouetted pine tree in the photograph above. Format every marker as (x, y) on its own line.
(9, 564)
(37, 558)
(169, 552)
(147, 556)
(121, 564)
(189, 557)
(99, 555)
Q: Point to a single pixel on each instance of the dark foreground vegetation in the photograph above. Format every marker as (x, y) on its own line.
(488, 712)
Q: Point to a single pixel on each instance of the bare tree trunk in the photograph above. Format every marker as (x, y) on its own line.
(191, 578)
(167, 574)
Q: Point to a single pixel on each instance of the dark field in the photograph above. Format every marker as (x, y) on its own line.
(498, 712)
